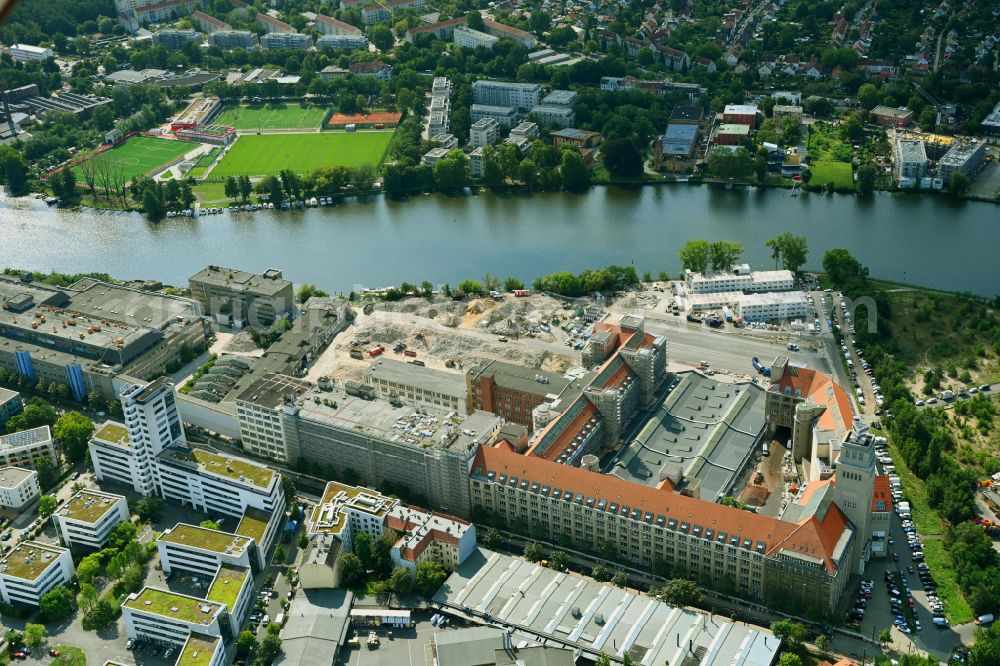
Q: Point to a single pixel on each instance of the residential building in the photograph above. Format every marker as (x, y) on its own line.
(505, 115)
(87, 519)
(358, 41)
(417, 385)
(476, 166)
(135, 13)
(375, 69)
(337, 34)
(889, 116)
(424, 449)
(30, 569)
(331, 72)
(18, 487)
(484, 132)
(472, 39)
(167, 618)
(772, 305)
(910, 163)
(28, 53)
(729, 134)
(554, 116)
(382, 11)
(667, 87)
(447, 142)
(175, 39)
(440, 30)
(242, 298)
(514, 391)
(739, 279)
(962, 157)
(26, 448)
(526, 129)
(271, 24)
(782, 111)
(575, 137)
(740, 114)
(522, 143)
(208, 23)
(10, 405)
(502, 31)
(285, 40)
(434, 155)
(521, 96)
(228, 40)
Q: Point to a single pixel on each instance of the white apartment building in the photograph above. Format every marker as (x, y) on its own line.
(87, 519)
(202, 551)
(18, 487)
(520, 96)
(554, 116)
(476, 166)
(25, 448)
(472, 39)
(772, 305)
(505, 115)
(358, 41)
(27, 53)
(164, 617)
(30, 570)
(910, 163)
(526, 129)
(484, 132)
(740, 279)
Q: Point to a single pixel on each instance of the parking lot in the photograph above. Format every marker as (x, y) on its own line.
(406, 648)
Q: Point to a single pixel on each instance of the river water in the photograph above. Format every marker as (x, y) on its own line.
(926, 240)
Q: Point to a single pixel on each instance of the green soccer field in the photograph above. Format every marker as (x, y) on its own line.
(268, 154)
(281, 116)
(136, 156)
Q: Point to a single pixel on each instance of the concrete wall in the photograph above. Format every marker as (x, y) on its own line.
(220, 418)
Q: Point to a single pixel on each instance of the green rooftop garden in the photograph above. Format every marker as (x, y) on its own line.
(253, 525)
(28, 560)
(234, 468)
(113, 432)
(200, 537)
(226, 586)
(87, 506)
(198, 651)
(168, 604)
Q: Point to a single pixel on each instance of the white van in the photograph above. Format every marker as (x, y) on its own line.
(985, 619)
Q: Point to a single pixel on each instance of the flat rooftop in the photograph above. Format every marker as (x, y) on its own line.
(113, 433)
(254, 524)
(578, 613)
(6, 395)
(198, 650)
(199, 537)
(226, 585)
(233, 468)
(910, 150)
(12, 477)
(236, 280)
(89, 506)
(175, 606)
(25, 438)
(29, 559)
(773, 298)
(703, 429)
(330, 514)
(126, 304)
(429, 379)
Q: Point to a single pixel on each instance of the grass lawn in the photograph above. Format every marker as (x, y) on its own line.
(203, 163)
(136, 156)
(69, 656)
(208, 193)
(955, 607)
(268, 154)
(838, 172)
(277, 116)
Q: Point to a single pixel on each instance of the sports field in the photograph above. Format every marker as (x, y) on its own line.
(136, 156)
(271, 117)
(268, 154)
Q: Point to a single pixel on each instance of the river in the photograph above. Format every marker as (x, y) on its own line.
(926, 240)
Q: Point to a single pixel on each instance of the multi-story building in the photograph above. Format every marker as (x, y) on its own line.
(233, 587)
(472, 39)
(528, 130)
(26, 448)
(521, 96)
(782, 111)
(477, 167)
(87, 519)
(740, 114)
(889, 116)
(271, 24)
(285, 40)
(678, 142)
(962, 157)
(18, 487)
(175, 39)
(484, 132)
(417, 385)
(167, 618)
(358, 41)
(135, 13)
(522, 37)
(199, 650)
(382, 11)
(30, 570)
(728, 134)
(910, 160)
(423, 449)
(514, 391)
(741, 278)
(440, 30)
(577, 138)
(234, 39)
(28, 53)
(772, 305)
(10, 405)
(208, 23)
(242, 298)
(327, 25)
(990, 125)
(201, 551)
(375, 69)
(505, 115)
(445, 141)
(554, 116)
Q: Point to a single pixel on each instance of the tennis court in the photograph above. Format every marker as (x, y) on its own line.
(271, 117)
(135, 156)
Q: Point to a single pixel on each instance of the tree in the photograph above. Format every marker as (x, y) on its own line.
(574, 174)
(533, 552)
(603, 660)
(726, 163)
(680, 592)
(451, 171)
(958, 183)
(822, 643)
(474, 20)
(352, 571)
(303, 542)
(88, 568)
(270, 647)
(868, 96)
(492, 538)
(210, 525)
(73, 431)
(621, 158)
(232, 187)
(87, 598)
(36, 414)
(122, 535)
(56, 604)
(430, 576)
(245, 643)
(789, 659)
(724, 254)
(13, 171)
(792, 633)
(245, 187)
(152, 203)
(307, 291)
(885, 636)
(841, 266)
(600, 573)
(46, 472)
(34, 635)
(986, 649)
(791, 249)
(47, 505)
(381, 37)
(694, 256)
(619, 579)
(559, 561)
(400, 581)
(866, 179)
(148, 509)
(540, 21)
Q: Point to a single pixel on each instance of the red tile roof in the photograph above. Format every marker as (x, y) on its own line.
(340, 25)
(814, 537)
(437, 26)
(508, 29)
(819, 388)
(372, 67)
(881, 493)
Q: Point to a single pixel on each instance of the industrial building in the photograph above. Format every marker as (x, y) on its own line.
(31, 569)
(417, 385)
(18, 487)
(521, 96)
(240, 298)
(87, 519)
(514, 391)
